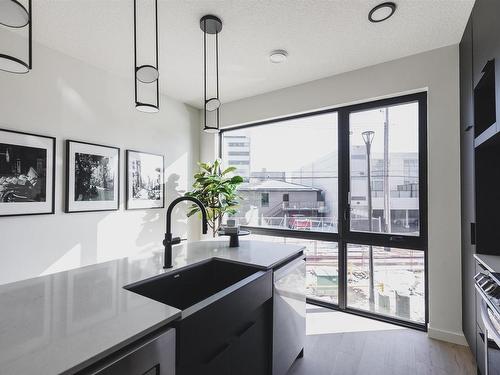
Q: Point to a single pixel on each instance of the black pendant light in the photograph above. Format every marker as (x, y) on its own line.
(13, 14)
(146, 74)
(211, 27)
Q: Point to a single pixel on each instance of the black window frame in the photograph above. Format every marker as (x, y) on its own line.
(344, 235)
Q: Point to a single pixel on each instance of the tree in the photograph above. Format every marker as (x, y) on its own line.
(217, 191)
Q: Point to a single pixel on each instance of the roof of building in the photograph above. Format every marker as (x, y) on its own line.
(274, 185)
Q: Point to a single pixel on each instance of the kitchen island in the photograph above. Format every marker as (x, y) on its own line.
(68, 321)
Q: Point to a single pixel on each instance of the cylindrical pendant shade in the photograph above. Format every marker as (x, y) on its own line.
(147, 83)
(211, 27)
(12, 65)
(13, 14)
(147, 74)
(147, 108)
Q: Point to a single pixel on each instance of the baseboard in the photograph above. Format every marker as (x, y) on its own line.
(453, 337)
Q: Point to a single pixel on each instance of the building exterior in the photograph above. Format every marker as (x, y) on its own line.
(237, 154)
(308, 198)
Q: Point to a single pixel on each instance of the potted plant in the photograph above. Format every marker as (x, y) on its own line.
(216, 189)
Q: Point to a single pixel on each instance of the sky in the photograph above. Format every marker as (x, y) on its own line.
(292, 144)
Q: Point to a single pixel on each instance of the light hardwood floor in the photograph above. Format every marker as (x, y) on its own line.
(344, 344)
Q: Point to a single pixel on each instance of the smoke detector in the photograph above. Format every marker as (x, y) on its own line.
(278, 56)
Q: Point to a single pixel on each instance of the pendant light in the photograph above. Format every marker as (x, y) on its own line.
(14, 15)
(211, 27)
(146, 74)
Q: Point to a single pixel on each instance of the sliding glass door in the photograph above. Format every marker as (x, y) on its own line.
(350, 184)
(385, 232)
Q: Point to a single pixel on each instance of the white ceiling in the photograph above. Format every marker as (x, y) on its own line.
(323, 37)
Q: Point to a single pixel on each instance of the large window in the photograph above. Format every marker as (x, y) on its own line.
(350, 185)
(384, 172)
(290, 171)
(396, 287)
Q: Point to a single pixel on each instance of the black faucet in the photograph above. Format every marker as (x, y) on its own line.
(169, 241)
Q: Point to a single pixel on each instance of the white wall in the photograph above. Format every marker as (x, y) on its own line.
(436, 71)
(68, 99)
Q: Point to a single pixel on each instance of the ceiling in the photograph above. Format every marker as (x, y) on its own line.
(322, 37)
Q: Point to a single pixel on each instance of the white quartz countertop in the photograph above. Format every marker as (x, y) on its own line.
(60, 323)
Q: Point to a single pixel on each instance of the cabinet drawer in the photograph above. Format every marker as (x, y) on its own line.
(155, 357)
(204, 334)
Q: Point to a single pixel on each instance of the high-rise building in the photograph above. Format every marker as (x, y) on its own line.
(237, 154)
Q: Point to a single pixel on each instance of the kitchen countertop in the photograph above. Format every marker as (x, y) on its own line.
(491, 262)
(61, 323)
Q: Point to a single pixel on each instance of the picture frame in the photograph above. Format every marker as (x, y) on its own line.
(92, 177)
(145, 186)
(27, 173)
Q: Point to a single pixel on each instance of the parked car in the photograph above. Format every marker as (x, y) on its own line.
(299, 222)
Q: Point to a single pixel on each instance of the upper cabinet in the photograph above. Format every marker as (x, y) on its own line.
(486, 69)
(486, 30)
(466, 87)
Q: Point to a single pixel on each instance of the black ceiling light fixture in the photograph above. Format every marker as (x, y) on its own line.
(13, 14)
(211, 27)
(382, 12)
(146, 74)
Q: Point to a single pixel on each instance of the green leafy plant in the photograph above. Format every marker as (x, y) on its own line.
(216, 189)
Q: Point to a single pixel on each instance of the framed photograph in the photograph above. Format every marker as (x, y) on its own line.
(92, 177)
(145, 180)
(27, 173)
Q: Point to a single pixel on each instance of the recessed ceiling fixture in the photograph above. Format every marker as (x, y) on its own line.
(147, 74)
(13, 14)
(382, 12)
(278, 56)
(211, 27)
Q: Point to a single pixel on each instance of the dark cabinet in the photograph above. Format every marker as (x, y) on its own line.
(466, 85)
(486, 68)
(251, 349)
(485, 42)
(229, 336)
(156, 356)
(467, 186)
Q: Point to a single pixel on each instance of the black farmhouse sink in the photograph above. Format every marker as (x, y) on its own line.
(226, 314)
(188, 286)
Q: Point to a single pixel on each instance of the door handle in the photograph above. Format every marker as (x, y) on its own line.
(396, 238)
(245, 330)
(219, 353)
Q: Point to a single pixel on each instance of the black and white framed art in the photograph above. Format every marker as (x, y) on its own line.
(27, 173)
(145, 180)
(92, 177)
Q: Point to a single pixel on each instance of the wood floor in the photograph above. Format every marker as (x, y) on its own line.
(343, 344)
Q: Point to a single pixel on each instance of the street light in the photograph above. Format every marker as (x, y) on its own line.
(368, 138)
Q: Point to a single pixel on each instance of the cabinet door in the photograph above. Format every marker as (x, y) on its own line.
(486, 29)
(485, 43)
(251, 354)
(156, 357)
(466, 85)
(467, 185)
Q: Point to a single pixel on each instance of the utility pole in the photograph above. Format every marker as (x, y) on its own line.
(387, 207)
(368, 138)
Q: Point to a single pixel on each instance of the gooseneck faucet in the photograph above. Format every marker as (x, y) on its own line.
(169, 240)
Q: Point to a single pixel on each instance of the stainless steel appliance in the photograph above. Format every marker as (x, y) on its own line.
(289, 314)
(488, 287)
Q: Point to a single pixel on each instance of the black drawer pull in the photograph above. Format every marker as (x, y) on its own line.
(396, 238)
(244, 330)
(220, 352)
